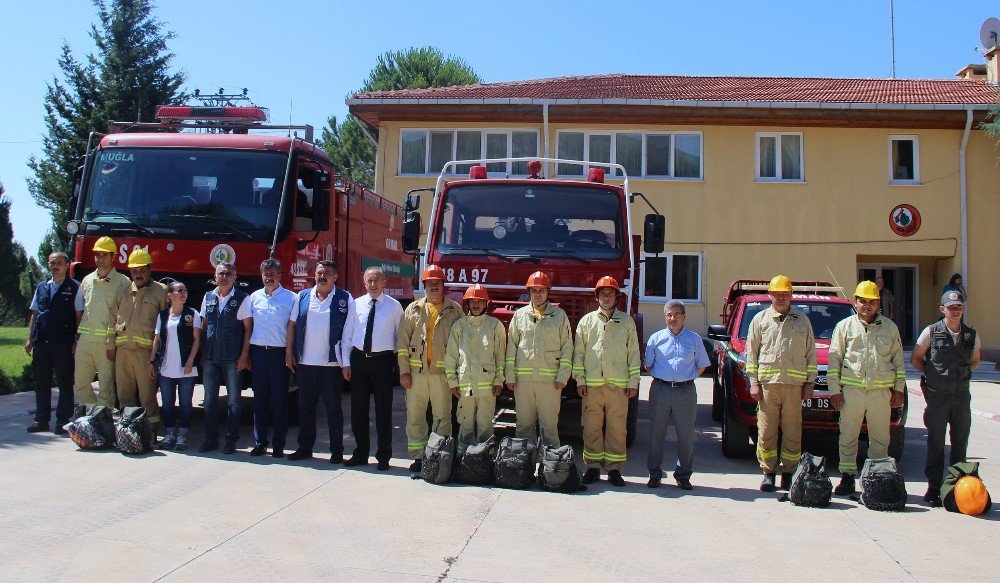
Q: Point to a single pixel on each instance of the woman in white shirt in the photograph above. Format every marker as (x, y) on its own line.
(175, 346)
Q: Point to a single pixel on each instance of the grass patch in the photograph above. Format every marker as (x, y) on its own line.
(12, 355)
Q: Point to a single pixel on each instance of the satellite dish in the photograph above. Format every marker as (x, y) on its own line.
(989, 34)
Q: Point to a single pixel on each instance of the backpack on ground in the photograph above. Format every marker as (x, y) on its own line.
(515, 463)
(810, 485)
(91, 427)
(956, 473)
(439, 453)
(557, 471)
(882, 486)
(475, 466)
(134, 433)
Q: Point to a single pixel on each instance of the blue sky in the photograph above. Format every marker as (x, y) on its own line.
(301, 58)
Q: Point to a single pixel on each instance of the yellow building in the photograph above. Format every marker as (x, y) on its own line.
(819, 179)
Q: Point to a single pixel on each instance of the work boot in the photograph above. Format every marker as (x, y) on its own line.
(416, 466)
(933, 497)
(684, 484)
(654, 480)
(59, 429)
(259, 449)
(38, 426)
(230, 447)
(846, 486)
(209, 445)
(786, 481)
(591, 475)
(767, 484)
(616, 479)
(182, 439)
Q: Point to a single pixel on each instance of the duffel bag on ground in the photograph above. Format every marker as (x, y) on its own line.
(810, 484)
(91, 427)
(438, 456)
(134, 433)
(515, 463)
(955, 474)
(882, 486)
(475, 466)
(557, 471)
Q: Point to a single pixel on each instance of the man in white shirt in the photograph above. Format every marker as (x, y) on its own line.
(373, 369)
(320, 329)
(269, 311)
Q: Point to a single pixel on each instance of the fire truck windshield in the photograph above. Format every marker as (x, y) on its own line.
(822, 315)
(189, 192)
(531, 220)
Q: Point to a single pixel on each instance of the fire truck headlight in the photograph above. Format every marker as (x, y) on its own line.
(73, 227)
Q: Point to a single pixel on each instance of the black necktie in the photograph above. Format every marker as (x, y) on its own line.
(370, 327)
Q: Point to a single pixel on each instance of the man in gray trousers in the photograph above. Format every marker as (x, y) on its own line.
(675, 357)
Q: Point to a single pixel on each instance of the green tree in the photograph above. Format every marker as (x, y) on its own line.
(992, 123)
(50, 243)
(414, 68)
(13, 303)
(125, 79)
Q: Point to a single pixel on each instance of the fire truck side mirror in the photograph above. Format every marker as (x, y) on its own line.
(412, 202)
(321, 210)
(323, 180)
(77, 185)
(411, 232)
(654, 233)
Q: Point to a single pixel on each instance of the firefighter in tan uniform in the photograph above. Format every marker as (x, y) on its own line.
(474, 367)
(606, 367)
(866, 378)
(781, 365)
(539, 361)
(130, 339)
(421, 344)
(96, 299)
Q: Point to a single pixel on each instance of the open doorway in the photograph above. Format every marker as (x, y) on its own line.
(902, 299)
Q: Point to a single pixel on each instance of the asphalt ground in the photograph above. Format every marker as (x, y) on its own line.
(70, 515)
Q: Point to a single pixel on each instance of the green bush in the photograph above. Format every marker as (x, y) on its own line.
(28, 378)
(7, 386)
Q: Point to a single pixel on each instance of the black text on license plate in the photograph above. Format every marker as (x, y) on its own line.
(816, 404)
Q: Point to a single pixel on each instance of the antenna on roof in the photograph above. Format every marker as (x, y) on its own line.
(989, 33)
(892, 40)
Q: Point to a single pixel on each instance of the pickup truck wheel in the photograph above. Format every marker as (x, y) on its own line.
(718, 397)
(632, 426)
(735, 435)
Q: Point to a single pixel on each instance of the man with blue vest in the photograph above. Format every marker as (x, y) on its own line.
(50, 343)
(225, 350)
(320, 334)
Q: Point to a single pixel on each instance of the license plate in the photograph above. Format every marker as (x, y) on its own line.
(816, 404)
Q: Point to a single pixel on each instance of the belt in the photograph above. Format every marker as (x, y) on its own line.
(674, 383)
(379, 354)
(262, 347)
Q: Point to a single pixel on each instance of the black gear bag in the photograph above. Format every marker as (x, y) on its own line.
(515, 463)
(91, 427)
(134, 433)
(882, 486)
(439, 453)
(476, 466)
(810, 484)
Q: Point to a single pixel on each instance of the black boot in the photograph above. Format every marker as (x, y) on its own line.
(933, 497)
(767, 484)
(616, 479)
(591, 475)
(786, 481)
(416, 466)
(846, 486)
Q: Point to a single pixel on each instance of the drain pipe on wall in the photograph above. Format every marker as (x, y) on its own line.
(545, 132)
(963, 189)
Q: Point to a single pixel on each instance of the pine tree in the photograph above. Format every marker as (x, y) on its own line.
(13, 303)
(127, 77)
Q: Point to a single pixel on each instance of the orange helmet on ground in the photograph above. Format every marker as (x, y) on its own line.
(971, 496)
(538, 279)
(432, 272)
(476, 291)
(607, 281)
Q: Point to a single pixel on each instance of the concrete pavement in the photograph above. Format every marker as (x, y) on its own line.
(184, 516)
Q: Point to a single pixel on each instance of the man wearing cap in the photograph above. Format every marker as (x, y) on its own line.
(51, 337)
(947, 352)
(539, 361)
(130, 339)
(866, 378)
(606, 368)
(781, 366)
(421, 344)
(96, 300)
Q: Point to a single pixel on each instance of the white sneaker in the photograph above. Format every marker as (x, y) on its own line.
(169, 441)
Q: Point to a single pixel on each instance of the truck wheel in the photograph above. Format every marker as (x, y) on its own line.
(632, 426)
(735, 435)
(718, 397)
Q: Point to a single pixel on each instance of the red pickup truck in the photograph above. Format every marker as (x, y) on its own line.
(732, 404)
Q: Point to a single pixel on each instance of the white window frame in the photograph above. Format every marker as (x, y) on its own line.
(609, 175)
(777, 158)
(454, 144)
(916, 161)
(643, 297)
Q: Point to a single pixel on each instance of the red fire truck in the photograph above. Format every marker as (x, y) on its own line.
(496, 231)
(211, 184)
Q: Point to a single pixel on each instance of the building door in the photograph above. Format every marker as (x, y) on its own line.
(901, 281)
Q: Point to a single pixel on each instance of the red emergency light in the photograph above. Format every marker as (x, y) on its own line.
(535, 168)
(204, 113)
(477, 172)
(596, 175)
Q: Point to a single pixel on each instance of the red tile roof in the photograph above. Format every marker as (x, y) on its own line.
(753, 89)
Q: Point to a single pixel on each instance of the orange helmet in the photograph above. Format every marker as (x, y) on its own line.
(476, 291)
(432, 272)
(606, 281)
(538, 279)
(971, 496)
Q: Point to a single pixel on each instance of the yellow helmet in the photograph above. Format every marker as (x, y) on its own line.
(780, 283)
(105, 245)
(139, 258)
(867, 290)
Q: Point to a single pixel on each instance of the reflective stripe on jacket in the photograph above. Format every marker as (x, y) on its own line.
(866, 356)
(135, 315)
(475, 357)
(539, 349)
(99, 297)
(411, 338)
(606, 351)
(781, 348)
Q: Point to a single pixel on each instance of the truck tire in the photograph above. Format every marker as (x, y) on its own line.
(632, 425)
(735, 434)
(718, 396)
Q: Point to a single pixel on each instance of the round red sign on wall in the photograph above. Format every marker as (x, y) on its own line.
(904, 220)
